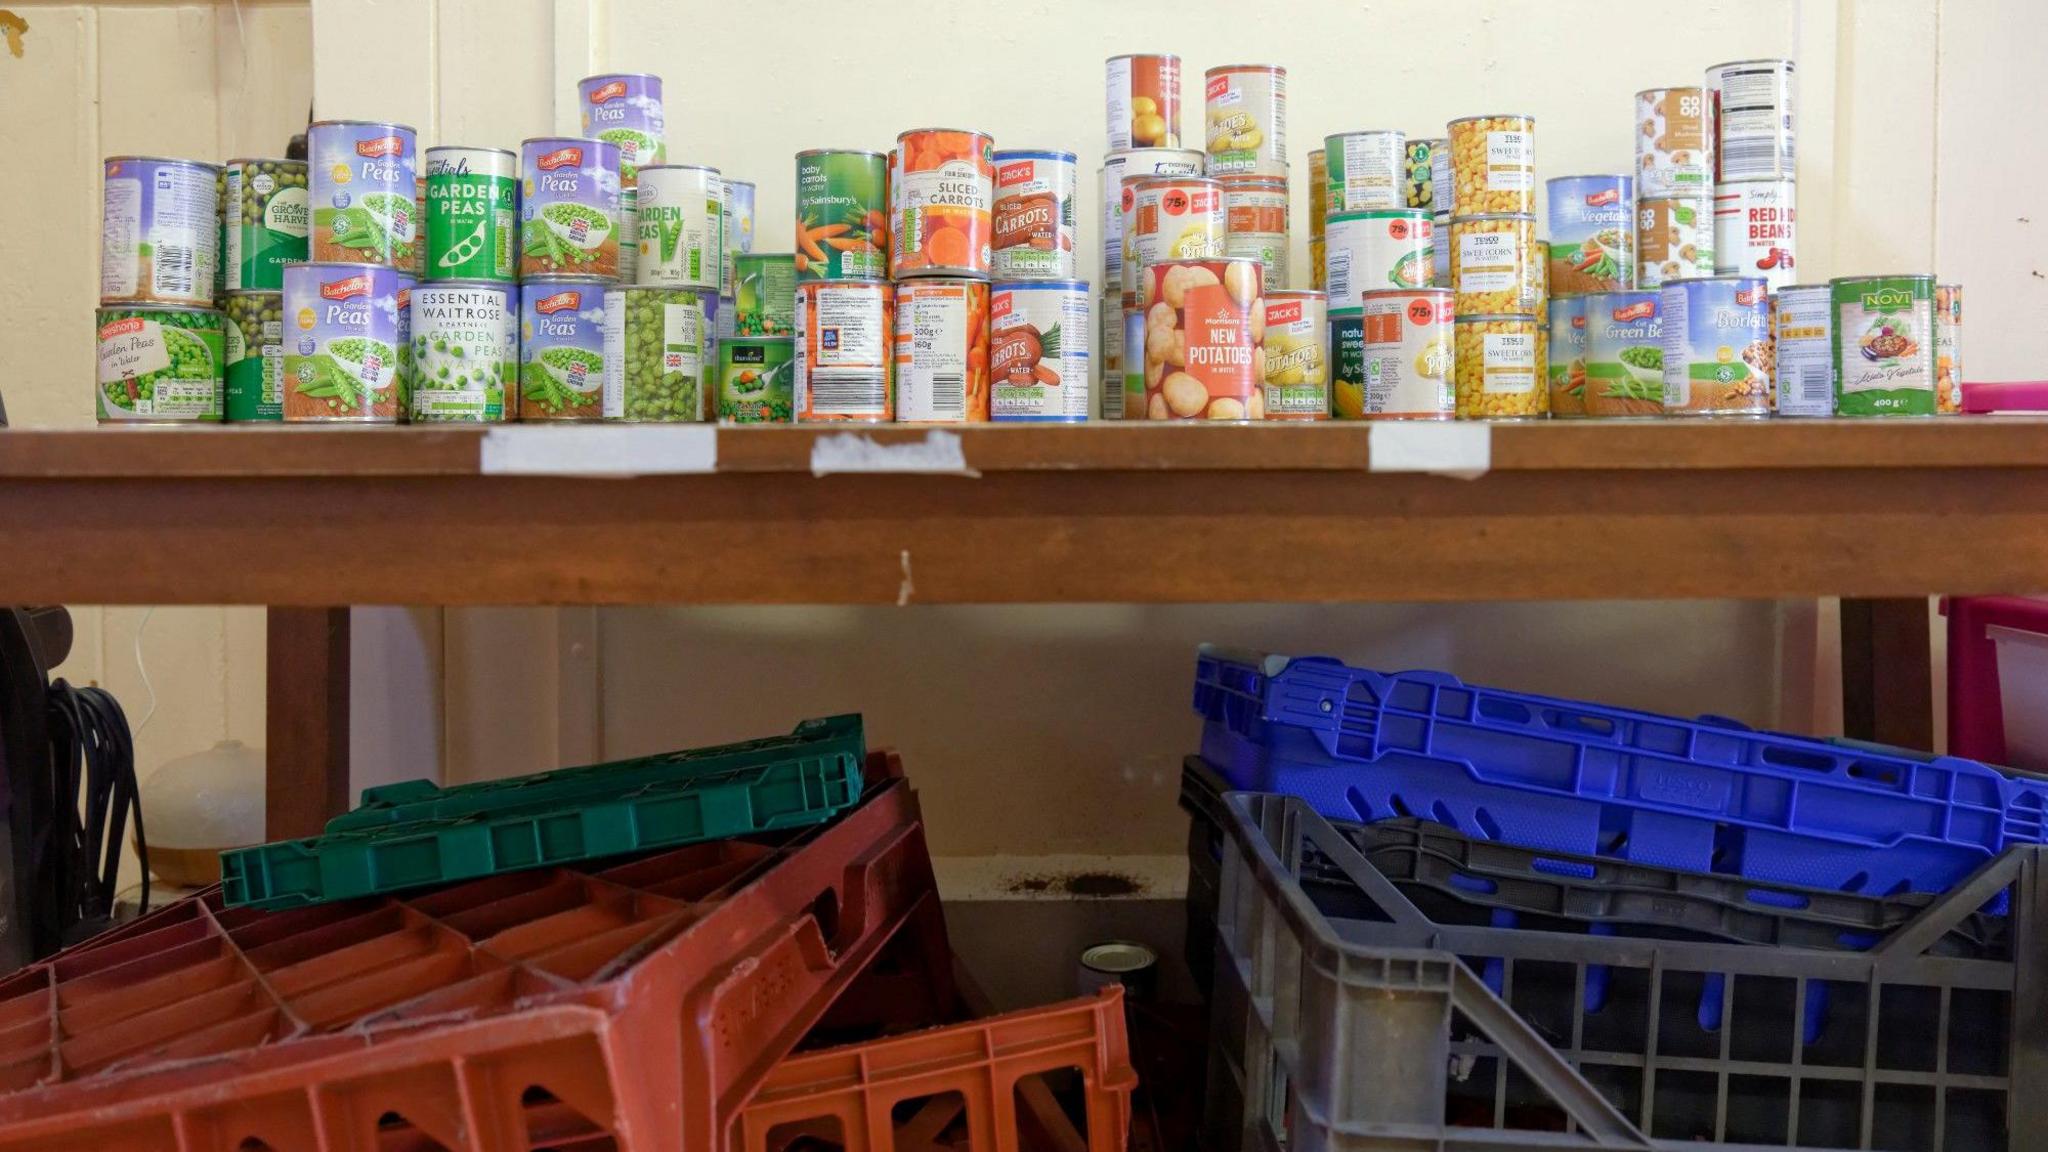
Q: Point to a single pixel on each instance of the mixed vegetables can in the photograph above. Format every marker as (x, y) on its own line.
(472, 214)
(1494, 360)
(657, 352)
(1377, 250)
(1245, 122)
(1756, 229)
(1624, 354)
(1255, 223)
(569, 208)
(944, 197)
(624, 109)
(942, 351)
(160, 363)
(1592, 234)
(347, 343)
(1674, 142)
(1884, 335)
(1204, 320)
(1296, 384)
(1034, 216)
(465, 352)
(1143, 101)
(764, 294)
(842, 204)
(1718, 359)
(561, 349)
(845, 332)
(1408, 357)
(682, 227)
(756, 380)
(159, 231)
(365, 193)
(1802, 327)
(254, 340)
(263, 206)
(1038, 353)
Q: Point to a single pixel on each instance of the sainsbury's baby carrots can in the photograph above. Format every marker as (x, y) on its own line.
(944, 194)
(842, 215)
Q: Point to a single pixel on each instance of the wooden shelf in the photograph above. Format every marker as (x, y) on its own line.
(306, 516)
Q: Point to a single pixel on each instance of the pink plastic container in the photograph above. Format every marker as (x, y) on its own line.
(1998, 680)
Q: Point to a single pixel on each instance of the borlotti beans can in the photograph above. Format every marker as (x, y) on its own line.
(1038, 352)
(658, 357)
(1143, 101)
(942, 351)
(159, 231)
(465, 352)
(1495, 365)
(1377, 250)
(255, 357)
(1256, 225)
(945, 196)
(160, 363)
(1295, 339)
(568, 208)
(1172, 218)
(346, 342)
(1802, 325)
(1117, 169)
(1035, 216)
(1674, 240)
(1624, 354)
(1750, 102)
(561, 349)
(365, 192)
(1245, 125)
(756, 380)
(1884, 335)
(1717, 346)
(1592, 234)
(1493, 165)
(1366, 170)
(624, 110)
(682, 226)
(1565, 357)
(1756, 230)
(472, 214)
(1408, 360)
(842, 215)
(845, 336)
(1493, 264)
(1203, 323)
(1674, 142)
(266, 222)
(1418, 177)
(1948, 348)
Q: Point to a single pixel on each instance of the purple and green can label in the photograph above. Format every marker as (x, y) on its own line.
(159, 364)
(472, 214)
(1592, 234)
(624, 110)
(365, 187)
(569, 220)
(346, 342)
(255, 356)
(561, 349)
(264, 208)
(159, 231)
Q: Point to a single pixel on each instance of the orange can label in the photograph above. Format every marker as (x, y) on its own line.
(944, 195)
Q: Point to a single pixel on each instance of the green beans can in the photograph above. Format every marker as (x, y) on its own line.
(472, 214)
(255, 357)
(160, 364)
(465, 351)
(265, 209)
(656, 341)
(765, 294)
(842, 196)
(756, 380)
(1884, 338)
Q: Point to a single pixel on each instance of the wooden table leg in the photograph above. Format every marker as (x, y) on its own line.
(1887, 674)
(305, 720)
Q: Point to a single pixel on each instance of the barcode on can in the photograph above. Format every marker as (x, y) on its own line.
(173, 274)
(841, 392)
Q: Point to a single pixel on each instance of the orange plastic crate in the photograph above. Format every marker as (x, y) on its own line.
(633, 1006)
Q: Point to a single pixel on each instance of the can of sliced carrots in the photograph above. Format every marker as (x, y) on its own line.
(842, 222)
(944, 193)
(942, 374)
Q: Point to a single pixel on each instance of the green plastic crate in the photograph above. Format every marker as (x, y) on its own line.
(416, 833)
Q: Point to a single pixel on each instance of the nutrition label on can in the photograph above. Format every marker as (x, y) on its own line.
(1487, 263)
(1369, 179)
(1510, 161)
(1755, 118)
(846, 373)
(1805, 355)
(1508, 363)
(931, 357)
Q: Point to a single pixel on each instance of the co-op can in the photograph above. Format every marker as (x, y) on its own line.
(1421, 160)
(1404, 367)
(1884, 336)
(1674, 142)
(1256, 225)
(845, 335)
(465, 352)
(1365, 170)
(159, 231)
(1034, 216)
(1038, 352)
(254, 332)
(1245, 122)
(682, 227)
(1948, 348)
(472, 214)
(1203, 357)
(160, 363)
(1171, 218)
(1143, 101)
(263, 207)
(1717, 346)
(1493, 165)
(1119, 169)
(624, 110)
(1756, 230)
(764, 294)
(569, 208)
(1592, 234)
(756, 380)
(1295, 338)
(942, 351)
(561, 349)
(842, 205)
(944, 197)
(1377, 250)
(1750, 102)
(1674, 240)
(1624, 354)
(657, 352)
(1803, 346)
(365, 192)
(1565, 357)
(1497, 367)
(347, 342)
(1493, 264)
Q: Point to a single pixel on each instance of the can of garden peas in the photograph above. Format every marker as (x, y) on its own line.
(465, 351)
(364, 192)
(472, 214)
(159, 231)
(656, 345)
(264, 207)
(561, 348)
(569, 208)
(255, 356)
(346, 342)
(756, 380)
(160, 364)
(764, 293)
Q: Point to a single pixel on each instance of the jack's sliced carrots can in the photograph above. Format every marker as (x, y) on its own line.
(944, 196)
(842, 215)
(941, 351)
(1035, 216)
(845, 336)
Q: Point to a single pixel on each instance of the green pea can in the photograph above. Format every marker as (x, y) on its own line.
(756, 380)
(255, 357)
(265, 209)
(465, 351)
(842, 215)
(764, 301)
(1884, 338)
(472, 214)
(657, 342)
(160, 364)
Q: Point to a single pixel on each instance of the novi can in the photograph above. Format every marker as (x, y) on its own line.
(1884, 338)
(1038, 352)
(365, 192)
(1565, 357)
(265, 210)
(1255, 223)
(1365, 170)
(1495, 364)
(1202, 352)
(1624, 354)
(1493, 264)
(346, 342)
(845, 333)
(1592, 234)
(657, 352)
(1408, 359)
(159, 231)
(1717, 346)
(569, 208)
(842, 206)
(1143, 101)
(465, 352)
(1948, 348)
(756, 380)
(1376, 251)
(160, 364)
(945, 195)
(561, 349)
(1674, 240)
(1756, 229)
(472, 214)
(682, 227)
(1245, 127)
(1674, 142)
(1802, 327)
(1750, 102)
(1493, 165)
(1172, 218)
(255, 357)
(1034, 216)
(942, 351)
(1295, 338)
(624, 110)
(1418, 177)
(764, 294)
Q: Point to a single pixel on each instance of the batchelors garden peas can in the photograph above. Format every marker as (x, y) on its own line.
(1377, 250)
(255, 357)
(160, 364)
(160, 227)
(1592, 234)
(465, 352)
(657, 352)
(1034, 216)
(561, 349)
(764, 294)
(845, 335)
(346, 343)
(1366, 170)
(1884, 339)
(569, 208)
(1038, 352)
(1409, 361)
(682, 227)
(1296, 330)
(944, 197)
(472, 214)
(1718, 358)
(365, 190)
(842, 215)
(1624, 354)
(624, 110)
(942, 353)
(756, 380)
(264, 206)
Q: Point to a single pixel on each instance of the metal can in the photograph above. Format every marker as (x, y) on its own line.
(1318, 263)
(1418, 177)
(1109, 316)
(254, 342)
(222, 207)
(1038, 352)
(1318, 192)
(1674, 240)
(657, 351)
(1406, 365)
(1172, 218)
(1493, 165)
(159, 231)
(1347, 363)
(1440, 263)
(1366, 170)
(845, 337)
(1117, 191)
(365, 192)
(842, 221)
(1717, 346)
(472, 219)
(1493, 264)
(1202, 333)
(682, 227)
(1802, 327)
(945, 194)
(1138, 373)
(1592, 234)
(1378, 250)
(764, 294)
(942, 351)
(1540, 265)
(1034, 216)
(1624, 354)
(1755, 230)
(1751, 105)
(264, 206)
(629, 235)
(1884, 334)
(1296, 383)
(1245, 128)
(160, 363)
(465, 352)
(1674, 142)
(756, 382)
(624, 110)
(1255, 223)
(1143, 101)
(347, 343)
(1565, 357)
(1443, 186)
(1494, 361)
(568, 208)
(1948, 348)
(739, 198)
(561, 349)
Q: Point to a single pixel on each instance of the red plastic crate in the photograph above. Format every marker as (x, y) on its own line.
(632, 1006)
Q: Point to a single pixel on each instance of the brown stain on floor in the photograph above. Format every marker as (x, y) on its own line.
(1091, 885)
(14, 28)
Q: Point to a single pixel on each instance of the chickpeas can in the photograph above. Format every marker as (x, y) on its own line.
(1718, 358)
(569, 208)
(1592, 234)
(1948, 348)
(159, 231)
(1494, 360)
(764, 294)
(756, 380)
(472, 217)
(1884, 338)
(1565, 357)
(264, 206)
(682, 227)
(657, 352)
(1034, 216)
(254, 339)
(942, 351)
(365, 192)
(1038, 353)
(624, 110)
(1294, 338)
(1750, 102)
(1674, 142)
(1624, 354)
(945, 194)
(1674, 240)
(1419, 179)
(1756, 230)
(1143, 101)
(845, 338)
(842, 215)
(160, 363)
(1118, 171)
(1376, 251)
(1493, 165)
(1366, 170)
(465, 352)
(1407, 366)
(1245, 127)
(1172, 218)
(561, 349)
(1802, 327)
(347, 342)
(1255, 223)
(1493, 264)
(1203, 359)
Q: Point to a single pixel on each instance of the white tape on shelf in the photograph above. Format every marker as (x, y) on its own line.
(617, 450)
(940, 453)
(1463, 449)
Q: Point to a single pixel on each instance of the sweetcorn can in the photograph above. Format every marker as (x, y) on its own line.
(1718, 359)
(160, 231)
(1494, 363)
(1296, 385)
(944, 194)
(1493, 165)
(942, 351)
(365, 192)
(160, 364)
(1143, 101)
(1203, 327)
(1409, 357)
(1318, 263)
(1038, 353)
(1318, 192)
(845, 337)
(1493, 264)
(1245, 123)
(1948, 348)
(1884, 335)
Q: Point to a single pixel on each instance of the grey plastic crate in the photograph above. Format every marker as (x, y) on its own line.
(1375, 1031)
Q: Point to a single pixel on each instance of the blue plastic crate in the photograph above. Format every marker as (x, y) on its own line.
(1708, 795)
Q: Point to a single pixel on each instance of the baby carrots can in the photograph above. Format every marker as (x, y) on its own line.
(942, 351)
(944, 195)
(842, 215)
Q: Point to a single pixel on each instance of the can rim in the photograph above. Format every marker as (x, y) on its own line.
(1158, 178)
(567, 278)
(254, 292)
(463, 148)
(345, 264)
(1348, 310)
(601, 144)
(1528, 316)
(1700, 88)
(1249, 177)
(943, 281)
(868, 282)
(1137, 55)
(1037, 154)
(1790, 64)
(1529, 216)
(1294, 293)
(465, 282)
(1711, 279)
(963, 131)
(1818, 286)
(619, 76)
(232, 161)
(841, 152)
(145, 306)
(1118, 957)
(1113, 153)
(1027, 285)
(731, 183)
(1491, 116)
(1630, 177)
(790, 256)
(1927, 276)
(1363, 132)
(1425, 290)
(104, 161)
(361, 124)
(695, 289)
(1269, 69)
(758, 340)
(1386, 214)
(680, 167)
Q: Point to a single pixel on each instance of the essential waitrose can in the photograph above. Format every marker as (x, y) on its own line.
(1624, 354)
(1802, 327)
(159, 231)
(756, 380)
(1750, 102)
(1171, 218)
(1493, 264)
(624, 110)
(1143, 101)
(1120, 170)
(1948, 348)
(1034, 216)
(1674, 240)
(472, 214)
(160, 363)
(1038, 353)
(254, 333)
(1256, 225)
(1493, 165)
(842, 206)
(1883, 328)
(365, 192)
(1717, 346)
(561, 349)
(944, 199)
(1203, 326)
(845, 335)
(1295, 339)
(1592, 234)
(1366, 170)
(264, 206)
(1406, 360)
(764, 294)
(465, 352)
(942, 351)
(1565, 357)
(1375, 251)
(346, 342)
(657, 352)
(568, 208)
(1674, 142)
(1755, 230)
(682, 227)
(1421, 162)
(1245, 126)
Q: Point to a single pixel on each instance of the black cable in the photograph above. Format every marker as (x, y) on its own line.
(93, 761)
